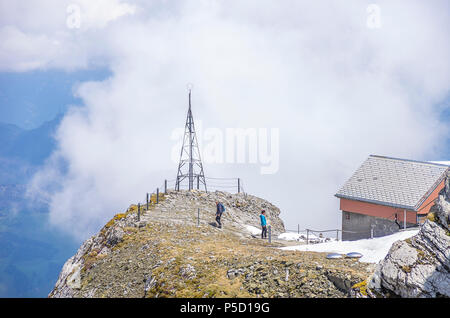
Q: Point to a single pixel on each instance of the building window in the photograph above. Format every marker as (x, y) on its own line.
(347, 216)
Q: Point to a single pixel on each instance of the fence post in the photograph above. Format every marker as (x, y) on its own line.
(298, 228)
(147, 201)
(198, 182)
(198, 216)
(139, 212)
(337, 235)
(157, 195)
(270, 234)
(239, 185)
(404, 219)
(165, 186)
(307, 236)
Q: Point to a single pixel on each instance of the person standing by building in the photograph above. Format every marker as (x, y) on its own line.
(262, 217)
(220, 210)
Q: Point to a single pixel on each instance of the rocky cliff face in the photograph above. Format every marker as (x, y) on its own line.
(419, 266)
(166, 254)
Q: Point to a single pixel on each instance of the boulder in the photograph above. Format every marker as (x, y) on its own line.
(419, 266)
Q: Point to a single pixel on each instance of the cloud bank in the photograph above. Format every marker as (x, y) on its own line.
(336, 89)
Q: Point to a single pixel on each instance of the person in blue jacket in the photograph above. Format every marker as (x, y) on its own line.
(262, 216)
(220, 210)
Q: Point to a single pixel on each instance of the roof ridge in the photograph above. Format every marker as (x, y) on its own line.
(410, 160)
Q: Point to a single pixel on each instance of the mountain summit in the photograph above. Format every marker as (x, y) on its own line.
(174, 249)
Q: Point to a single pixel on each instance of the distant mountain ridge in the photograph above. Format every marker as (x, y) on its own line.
(30, 146)
(31, 253)
(22, 152)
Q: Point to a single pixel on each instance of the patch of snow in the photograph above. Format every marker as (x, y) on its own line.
(301, 237)
(253, 230)
(373, 250)
(291, 236)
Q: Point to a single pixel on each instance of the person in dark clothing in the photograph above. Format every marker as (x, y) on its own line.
(396, 221)
(220, 210)
(262, 216)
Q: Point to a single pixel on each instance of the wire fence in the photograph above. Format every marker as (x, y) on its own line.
(233, 185)
(309, 235)
(237, 185)
(212, 184)
(399, 224)
(151, 199)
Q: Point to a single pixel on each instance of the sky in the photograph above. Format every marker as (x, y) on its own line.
(338, 81)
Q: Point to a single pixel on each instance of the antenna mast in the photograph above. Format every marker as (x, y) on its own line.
(190, 155)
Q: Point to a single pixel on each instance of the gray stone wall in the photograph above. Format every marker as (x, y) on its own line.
(362, 224)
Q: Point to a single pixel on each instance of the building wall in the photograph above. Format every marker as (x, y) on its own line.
(377, 210)
(428, 203)
(362, 224)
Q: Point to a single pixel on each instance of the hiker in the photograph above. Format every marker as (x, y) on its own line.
(220, 210)
(262, 216)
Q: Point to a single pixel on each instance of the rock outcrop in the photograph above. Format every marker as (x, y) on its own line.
(419, 266)
(166, 253)
(241, 209)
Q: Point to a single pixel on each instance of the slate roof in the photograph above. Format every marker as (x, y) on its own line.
(399, 183)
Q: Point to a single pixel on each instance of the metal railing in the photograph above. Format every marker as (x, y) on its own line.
(313, 240)
(368, 233)
(308, 231)
(214, 184)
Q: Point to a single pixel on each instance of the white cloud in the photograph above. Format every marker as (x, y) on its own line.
(42, 34)
(97, 14)
(337, 90)
(17, 49)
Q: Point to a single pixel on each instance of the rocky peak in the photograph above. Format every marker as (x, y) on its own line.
(184, 208)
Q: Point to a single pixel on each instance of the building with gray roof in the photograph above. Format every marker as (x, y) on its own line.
(389, 192)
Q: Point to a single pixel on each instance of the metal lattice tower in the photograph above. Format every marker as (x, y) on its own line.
(190, 166)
